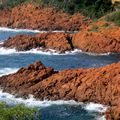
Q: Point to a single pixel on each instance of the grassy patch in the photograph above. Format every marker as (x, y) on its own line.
(106, 25)
(114, 17)
(94, 29)
(12, 3)
(18, 112)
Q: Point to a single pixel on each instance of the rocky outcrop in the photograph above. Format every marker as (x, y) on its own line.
(100, 37)
(100, 85)
(58, 41)
(31, 16)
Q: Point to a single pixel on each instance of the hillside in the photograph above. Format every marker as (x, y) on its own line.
(89, 8)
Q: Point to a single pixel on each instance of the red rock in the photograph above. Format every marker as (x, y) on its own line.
(99, 85)
(30, 16)
(58, 41)
(98, 38)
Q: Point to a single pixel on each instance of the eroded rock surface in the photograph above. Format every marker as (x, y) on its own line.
(30, 16)
(58, 41)
(101, 37)
(100, 85)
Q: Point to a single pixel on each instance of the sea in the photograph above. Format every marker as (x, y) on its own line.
(12, 60)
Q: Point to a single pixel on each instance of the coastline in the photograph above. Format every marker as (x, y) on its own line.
(53, 32)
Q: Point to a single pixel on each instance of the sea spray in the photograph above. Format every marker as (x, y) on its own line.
(6, 71)
(8, 51)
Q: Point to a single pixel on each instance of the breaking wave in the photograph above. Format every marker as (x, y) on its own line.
(95, 107)
(32, 102)
(6, 51)
(6, 71)
(5, 29)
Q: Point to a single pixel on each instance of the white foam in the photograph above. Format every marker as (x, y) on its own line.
(97, 54)
(6, 51)
(32, 102)
(1, 43)
(5, 29)
(51, 52)
(17, 30)
(6, 71)
(95, 107)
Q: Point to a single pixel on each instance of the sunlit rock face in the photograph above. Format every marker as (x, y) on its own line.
(99, 85)
(31, 16)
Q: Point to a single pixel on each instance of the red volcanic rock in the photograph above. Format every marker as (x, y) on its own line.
(57, 41)
(5, 18)
(32, 16)
(100, 85)
(98, 38)
(26, 77)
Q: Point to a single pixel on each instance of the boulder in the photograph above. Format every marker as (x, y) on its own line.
(58, 41)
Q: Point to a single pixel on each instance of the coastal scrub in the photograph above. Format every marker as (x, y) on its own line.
(18, 112)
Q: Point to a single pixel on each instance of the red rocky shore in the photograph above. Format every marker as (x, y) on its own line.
(99, 85)
(99, 37)
(95, 37)
(32, 16)
(61, 42)
(102, 41)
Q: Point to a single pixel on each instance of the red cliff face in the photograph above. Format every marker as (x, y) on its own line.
(58, 41)
(100, 85)
(100, 37)
(31, 16)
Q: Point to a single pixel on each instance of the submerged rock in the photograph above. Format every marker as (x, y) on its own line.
(100, 85)
(58, 41)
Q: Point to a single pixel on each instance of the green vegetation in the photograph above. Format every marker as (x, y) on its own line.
(114, 17)
(18, 112)
(90, 8)
(106, 25)
(12, 3)
(94, 29)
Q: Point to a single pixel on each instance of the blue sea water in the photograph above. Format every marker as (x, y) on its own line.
(12, 61)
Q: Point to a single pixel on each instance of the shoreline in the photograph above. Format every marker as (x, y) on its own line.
(63, 34)
(50, 81)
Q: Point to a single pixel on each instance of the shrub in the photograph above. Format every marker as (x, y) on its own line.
(18, 112)
(12, 3)
(90, 8)
(114, 17)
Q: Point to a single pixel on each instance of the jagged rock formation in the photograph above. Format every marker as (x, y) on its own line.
(58, 41)
(30, 16)
(101, 37)
(100, 85)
